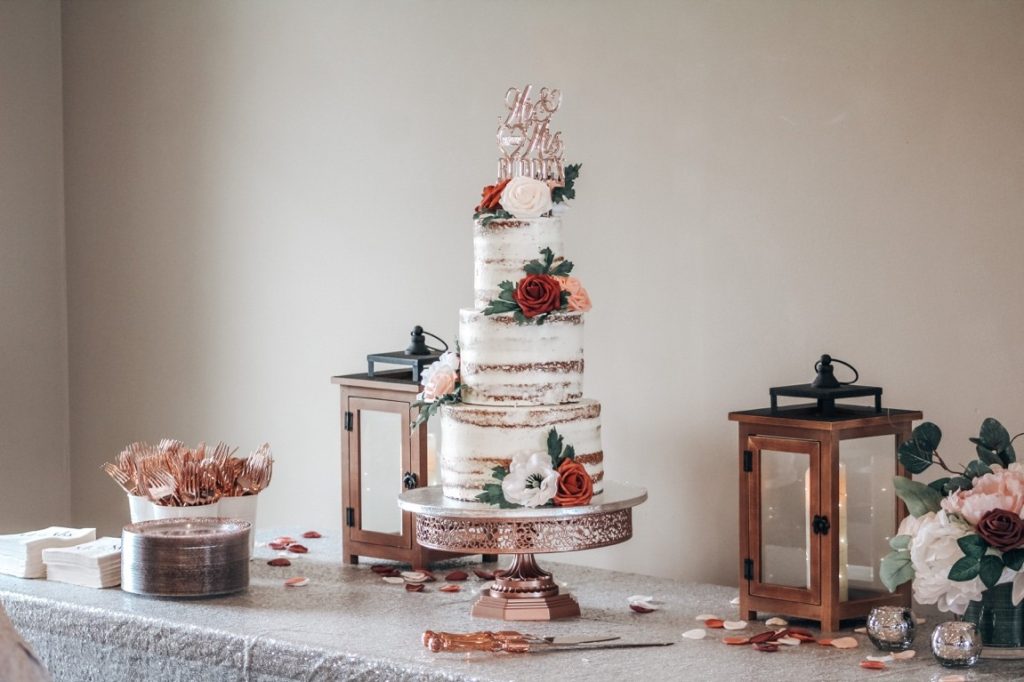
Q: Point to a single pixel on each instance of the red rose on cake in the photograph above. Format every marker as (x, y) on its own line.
(538, 294)
(491, 197)
(575, 486)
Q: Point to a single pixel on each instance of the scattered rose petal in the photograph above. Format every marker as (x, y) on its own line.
(734, 624)
(382, 568)
(735, 640)
(861, 631)
(414, 587)
(825, 642)
(642, 608)
(297, 581)
(285, 539)
(456, 576)
(275, 545)
(640, 599)
(788, 641)
(802, 637)
(776, 621)
(451, 587)
(714, 623)
(415, 576)
(800, 631)
(297, 549)
(734, 601)
(881, 659)
(872, 665)
(845, 643)
(430, 576)
(311, 534)
(279, 561)
(484, 575)
(394, 580)
(762, 637)
(698, 633)
(767, 646)
(707, 616)
(903, 655)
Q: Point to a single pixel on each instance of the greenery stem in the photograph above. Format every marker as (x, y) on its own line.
(942, 464)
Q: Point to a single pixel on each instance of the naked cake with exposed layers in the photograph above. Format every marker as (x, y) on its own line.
(515, 427)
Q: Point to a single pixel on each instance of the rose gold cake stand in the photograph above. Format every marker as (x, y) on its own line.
(525, 591)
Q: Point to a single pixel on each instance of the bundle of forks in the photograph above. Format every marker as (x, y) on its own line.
(172, 474)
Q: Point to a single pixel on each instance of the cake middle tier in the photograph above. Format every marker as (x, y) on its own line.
(477, 438)
(502, 247)
(507, 363)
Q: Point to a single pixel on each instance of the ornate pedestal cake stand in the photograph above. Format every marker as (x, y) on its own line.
(524, 591)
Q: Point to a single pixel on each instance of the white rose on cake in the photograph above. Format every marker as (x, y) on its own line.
(531, 481)
(526, 198)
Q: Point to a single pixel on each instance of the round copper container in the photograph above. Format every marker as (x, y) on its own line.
(199, 557)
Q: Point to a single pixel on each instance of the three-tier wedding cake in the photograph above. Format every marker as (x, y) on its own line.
(515, 427)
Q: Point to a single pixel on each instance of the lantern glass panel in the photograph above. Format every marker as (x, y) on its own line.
(867, 513)
(785, 519)
(380, 452)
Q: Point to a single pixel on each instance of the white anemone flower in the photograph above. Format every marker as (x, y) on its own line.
(531, 481)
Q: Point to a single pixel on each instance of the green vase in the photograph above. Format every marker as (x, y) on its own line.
(999, 621)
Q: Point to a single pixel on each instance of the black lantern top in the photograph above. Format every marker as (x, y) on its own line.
(417, 354)
(826, 389)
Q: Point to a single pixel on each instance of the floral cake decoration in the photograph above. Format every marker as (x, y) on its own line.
(965, 532)
(541, 479)
(545, 288)
(526, 198)
(441, 385)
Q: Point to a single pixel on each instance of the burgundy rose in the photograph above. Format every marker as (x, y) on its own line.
(538, 294)
(1001, 529)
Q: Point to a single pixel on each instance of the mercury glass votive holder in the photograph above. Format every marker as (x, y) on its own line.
(891, 628)
(956, 644)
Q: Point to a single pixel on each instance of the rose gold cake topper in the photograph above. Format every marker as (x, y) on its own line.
(527, 145)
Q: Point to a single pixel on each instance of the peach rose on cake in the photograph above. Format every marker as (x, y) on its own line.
(440, 377)
(526, 198)
(575, 486)
(1001, 489)
(579, 299)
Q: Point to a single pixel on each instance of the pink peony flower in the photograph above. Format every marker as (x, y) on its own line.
(579, 299)
(438, 380)
(1002, 489)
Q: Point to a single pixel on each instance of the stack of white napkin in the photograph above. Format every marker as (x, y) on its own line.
(93, 564)
(21, 554)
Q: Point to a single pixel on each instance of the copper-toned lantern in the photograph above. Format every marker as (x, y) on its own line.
(817, 502)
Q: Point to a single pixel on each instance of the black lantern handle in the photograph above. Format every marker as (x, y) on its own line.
(856, 374)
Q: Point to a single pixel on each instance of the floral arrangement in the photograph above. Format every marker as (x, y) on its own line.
(525, 197)
(545, 288)
(965, 533)
(541, 479)
(441, 384)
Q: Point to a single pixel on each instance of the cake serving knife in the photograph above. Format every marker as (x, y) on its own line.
(514, 642)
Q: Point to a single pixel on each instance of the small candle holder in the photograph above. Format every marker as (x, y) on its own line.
(956, 644)
(891, 628)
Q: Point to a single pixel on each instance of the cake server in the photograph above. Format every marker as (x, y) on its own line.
(518, 643)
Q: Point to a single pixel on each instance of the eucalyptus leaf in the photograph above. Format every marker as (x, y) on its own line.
(896, 569)
(927, 436)
(914, 458)
(977, 468)
(958, 483)
(994, 435)
(966, 568)
(1009, 456)
(900, 541)
(940, 485)
(991, 569)
(987, 456)
(919, 498)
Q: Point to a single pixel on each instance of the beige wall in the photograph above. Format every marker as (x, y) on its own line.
(260, 193)
(34, 475)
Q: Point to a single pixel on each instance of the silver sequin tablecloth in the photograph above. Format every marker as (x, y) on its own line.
(347, 624)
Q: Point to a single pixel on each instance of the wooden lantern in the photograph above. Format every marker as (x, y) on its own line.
(817, 509)
(380, 457)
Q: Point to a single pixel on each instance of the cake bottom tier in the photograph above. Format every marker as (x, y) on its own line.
(477, 438)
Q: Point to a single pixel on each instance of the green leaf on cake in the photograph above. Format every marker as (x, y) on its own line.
(499, 472)
(493, 495)
(487, 218)
(569, 452)
(896, 569)
(562, 269)
(520, 318)
(919, 498)
(499, 306)
(555, 447)
(568, 190)
(507, 292)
